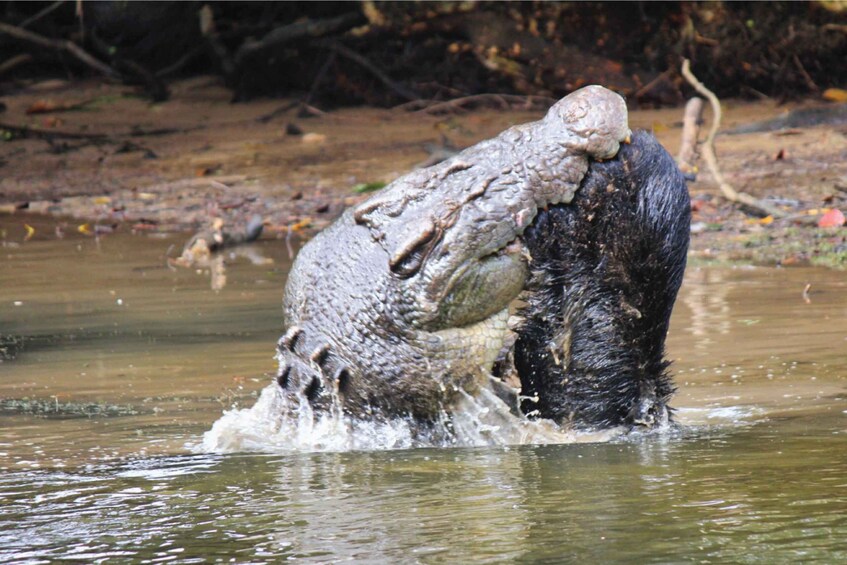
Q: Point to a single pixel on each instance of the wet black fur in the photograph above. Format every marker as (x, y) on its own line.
(606, 271)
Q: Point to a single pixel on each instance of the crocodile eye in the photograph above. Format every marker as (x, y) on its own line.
(409, 259)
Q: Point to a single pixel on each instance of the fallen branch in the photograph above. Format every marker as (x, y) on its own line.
(810, 84)
(691, 121)
(348, 53)
(25, 132)
(505, 101)
(298, 30)
(154, 86)
(13, 62)
(653, 83)
(52, 134)
(50, 8)
(711, 159)
(265, 118)
(320, 76)
(58, 45)
(180, 63)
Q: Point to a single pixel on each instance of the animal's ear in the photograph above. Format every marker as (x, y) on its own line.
(411, 255)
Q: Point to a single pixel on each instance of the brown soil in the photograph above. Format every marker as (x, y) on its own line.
(178, 164)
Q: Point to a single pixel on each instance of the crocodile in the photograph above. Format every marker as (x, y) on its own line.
(405, 302)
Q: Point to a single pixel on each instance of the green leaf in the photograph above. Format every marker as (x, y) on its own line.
(363, 187)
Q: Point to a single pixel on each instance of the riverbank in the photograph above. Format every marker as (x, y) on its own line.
(98, 154)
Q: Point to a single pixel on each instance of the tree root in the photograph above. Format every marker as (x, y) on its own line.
(13, 62)
(59, 45)
(348, 53)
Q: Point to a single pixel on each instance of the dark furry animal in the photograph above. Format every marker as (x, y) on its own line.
(606, 271)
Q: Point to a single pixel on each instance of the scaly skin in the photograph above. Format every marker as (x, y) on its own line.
(404, 300)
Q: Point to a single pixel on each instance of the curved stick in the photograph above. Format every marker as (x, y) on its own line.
(709, 151)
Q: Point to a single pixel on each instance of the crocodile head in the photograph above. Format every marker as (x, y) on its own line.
(449, 231)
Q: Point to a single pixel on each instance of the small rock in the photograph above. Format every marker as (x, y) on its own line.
(314, 138)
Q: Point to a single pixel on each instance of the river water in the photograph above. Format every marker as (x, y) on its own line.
(115, 366)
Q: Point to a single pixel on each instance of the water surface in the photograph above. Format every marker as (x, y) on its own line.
(113, 365)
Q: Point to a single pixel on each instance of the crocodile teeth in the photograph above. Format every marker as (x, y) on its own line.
(342, 379)
(313, 389)
(289, 340)
(319, 355)
(515, 322)
(283, 375)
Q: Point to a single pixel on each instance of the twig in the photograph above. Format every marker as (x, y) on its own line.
(307, 110)
(835, 27)
(210, 32)
(320, 76)
(41, 14)
(298, 30)
(59, 45)
(288, 246)
(344, 51)
(80, 16)
(691, 121)
(180, 63)
(265, 118)
(810, 84)
(24, 131)
(652, 84)
(15, 61)
(158, 132)
(709, 151)
(50, 136)
(153, 84)
(502, 100)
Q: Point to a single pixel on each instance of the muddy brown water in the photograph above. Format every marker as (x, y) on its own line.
(115, 365)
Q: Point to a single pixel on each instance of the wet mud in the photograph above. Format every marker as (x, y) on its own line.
(177, 165)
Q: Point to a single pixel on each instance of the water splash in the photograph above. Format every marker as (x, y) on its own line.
(276, 424)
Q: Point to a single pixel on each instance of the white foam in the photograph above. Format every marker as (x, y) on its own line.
(275, 424)
(711, 415)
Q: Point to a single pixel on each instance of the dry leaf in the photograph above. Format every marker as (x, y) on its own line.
(835, 95)
(301, 225)
(767, 220)
(47, 106)
(832, 219)
(52, 122)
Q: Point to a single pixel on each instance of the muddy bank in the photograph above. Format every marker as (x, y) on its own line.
(177, 165)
